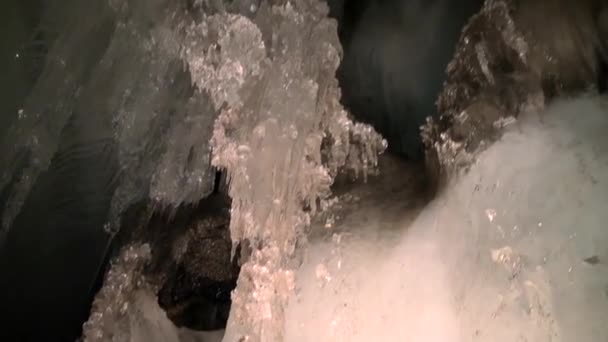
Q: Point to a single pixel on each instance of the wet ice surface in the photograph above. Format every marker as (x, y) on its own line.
(514, 250)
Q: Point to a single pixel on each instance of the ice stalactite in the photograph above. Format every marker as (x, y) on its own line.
(282, 136)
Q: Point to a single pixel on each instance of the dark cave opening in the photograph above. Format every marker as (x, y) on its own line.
(198, 281)
(394, 64)
(191, 263)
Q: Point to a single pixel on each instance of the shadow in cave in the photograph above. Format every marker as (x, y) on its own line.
(395, 59)
(394, 66)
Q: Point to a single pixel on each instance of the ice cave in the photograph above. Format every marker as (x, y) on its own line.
(304, 171)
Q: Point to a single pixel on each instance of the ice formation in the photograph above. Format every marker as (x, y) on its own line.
(281, 135)
(507, 62)
(113, 307)
(161, 95)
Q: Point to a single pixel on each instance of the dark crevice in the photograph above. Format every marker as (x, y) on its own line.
(390, 87)
(199, 273)
(602, 74)
(383, 81)
(191, 262)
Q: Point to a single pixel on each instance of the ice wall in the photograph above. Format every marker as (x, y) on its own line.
(112, 120)
(123, 70)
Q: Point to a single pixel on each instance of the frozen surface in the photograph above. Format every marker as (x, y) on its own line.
(113, 120)
(28, 146)
(514, 250)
